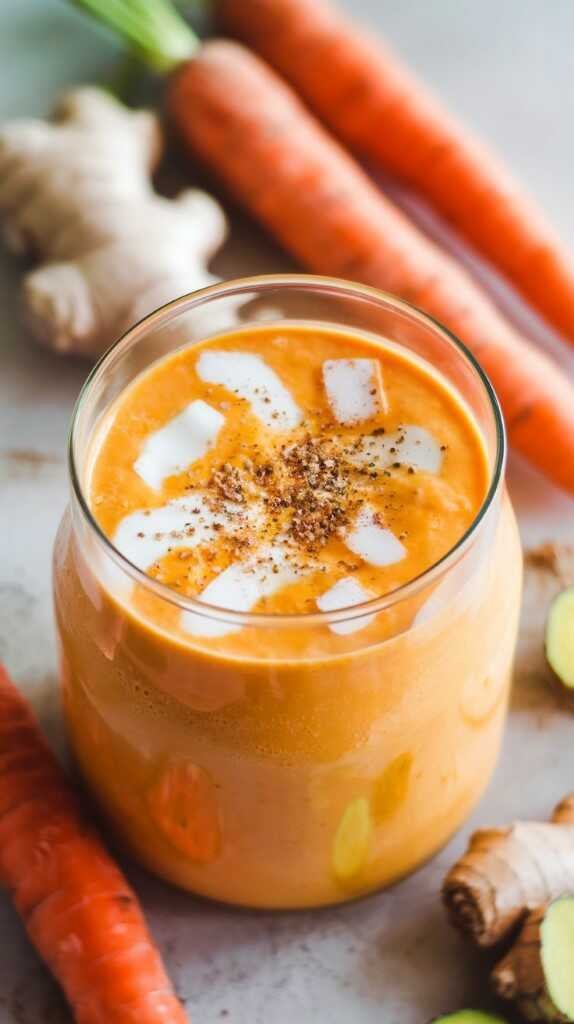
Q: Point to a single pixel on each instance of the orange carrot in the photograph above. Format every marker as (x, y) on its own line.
(183, 805)
(78, 909)
(271, 154)
(389, 118)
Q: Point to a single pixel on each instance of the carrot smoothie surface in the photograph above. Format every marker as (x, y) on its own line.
(286, 471)
(292, 758)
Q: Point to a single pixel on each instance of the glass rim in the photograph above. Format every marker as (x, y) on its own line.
(309, 282)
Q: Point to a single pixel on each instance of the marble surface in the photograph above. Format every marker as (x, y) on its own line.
(507, 68)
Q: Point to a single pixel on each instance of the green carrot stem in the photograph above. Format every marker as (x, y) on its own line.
(153, 28)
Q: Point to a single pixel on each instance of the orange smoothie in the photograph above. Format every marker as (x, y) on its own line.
(281, 703)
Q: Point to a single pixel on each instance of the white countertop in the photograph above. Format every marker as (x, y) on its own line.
(507, 67)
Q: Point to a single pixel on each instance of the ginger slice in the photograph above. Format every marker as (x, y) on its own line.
(537, 975)
(352, 841)
(392, 787)
(560, 639)
(481, 698)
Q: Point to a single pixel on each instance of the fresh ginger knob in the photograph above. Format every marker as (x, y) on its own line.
(76, 195)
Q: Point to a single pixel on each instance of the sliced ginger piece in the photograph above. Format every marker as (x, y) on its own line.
(560, 638)
(391, 788)
(537, 975)
(352, 840)
(557, 954)
(480, 699)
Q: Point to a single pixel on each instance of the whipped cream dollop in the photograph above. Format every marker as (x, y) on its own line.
(182, 441)
(345, 593)
(354, 389)
(146, 536)
(373, 542)
(240, 587)
(410, 445)
(248, 376)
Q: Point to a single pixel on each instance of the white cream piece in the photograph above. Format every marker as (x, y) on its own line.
(344, 594)
(354, 389)
(182, 441)
(248, 376)
(418, 449)
(372, 542)
(186, 522)
(239, 588)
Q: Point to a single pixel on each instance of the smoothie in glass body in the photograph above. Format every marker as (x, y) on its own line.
(287, 595)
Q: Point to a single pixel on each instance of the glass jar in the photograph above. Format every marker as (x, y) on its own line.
(308, 772)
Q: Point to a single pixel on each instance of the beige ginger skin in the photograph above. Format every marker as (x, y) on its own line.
(76, 197)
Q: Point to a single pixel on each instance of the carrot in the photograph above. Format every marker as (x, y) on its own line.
(183, 805)
(389, 118)
(271, 154)
(77, 907)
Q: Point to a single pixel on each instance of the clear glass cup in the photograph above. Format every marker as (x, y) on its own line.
(317, 766)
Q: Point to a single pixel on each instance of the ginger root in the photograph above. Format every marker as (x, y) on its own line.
(508, 871)
(76, 196)
(522, 875)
